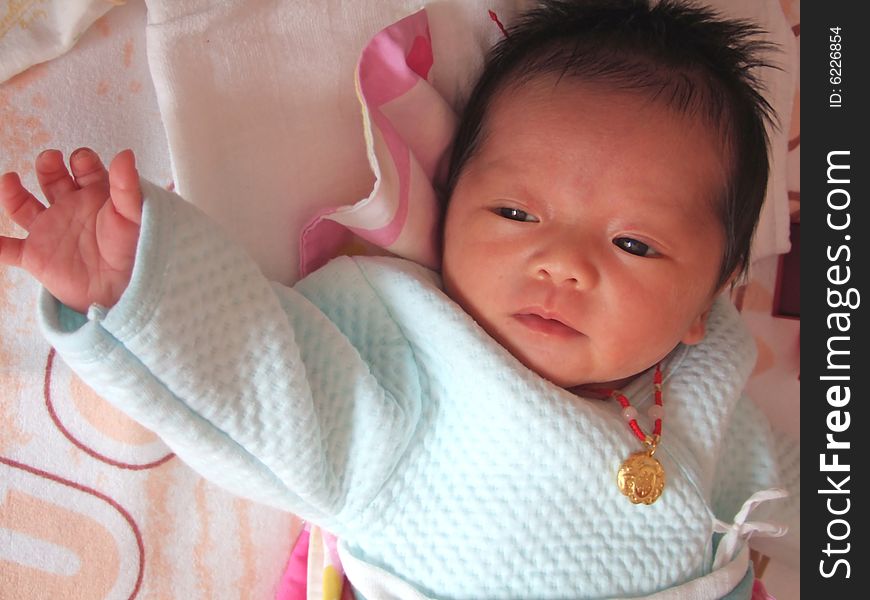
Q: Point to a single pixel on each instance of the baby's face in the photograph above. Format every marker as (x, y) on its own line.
(583, 236)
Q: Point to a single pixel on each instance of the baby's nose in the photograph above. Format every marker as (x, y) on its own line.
(566, 263)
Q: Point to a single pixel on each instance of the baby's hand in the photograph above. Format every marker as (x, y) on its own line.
(82, 246)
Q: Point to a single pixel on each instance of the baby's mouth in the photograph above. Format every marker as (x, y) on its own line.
(546, 323)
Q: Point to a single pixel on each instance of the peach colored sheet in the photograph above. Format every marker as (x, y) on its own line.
(91, 504)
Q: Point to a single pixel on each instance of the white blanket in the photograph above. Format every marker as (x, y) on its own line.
(235, 108)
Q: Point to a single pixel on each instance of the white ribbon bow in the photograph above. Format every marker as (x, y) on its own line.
(741, 529)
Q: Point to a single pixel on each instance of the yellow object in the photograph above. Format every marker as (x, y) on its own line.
(641, 477)
(332, 584)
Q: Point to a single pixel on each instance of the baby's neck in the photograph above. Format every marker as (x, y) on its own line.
(602, 390)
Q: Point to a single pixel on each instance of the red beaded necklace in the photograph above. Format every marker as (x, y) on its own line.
(641, 476)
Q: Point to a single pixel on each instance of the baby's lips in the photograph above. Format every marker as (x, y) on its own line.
(546, 324)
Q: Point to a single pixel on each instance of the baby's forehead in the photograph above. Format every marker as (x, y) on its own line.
(577, 136)
(701, 110)
(525, 105)
(530, 102)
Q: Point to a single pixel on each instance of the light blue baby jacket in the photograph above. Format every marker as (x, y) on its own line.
(365, 400)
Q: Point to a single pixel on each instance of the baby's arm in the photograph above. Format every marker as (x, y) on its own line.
(81, 247)
(247, 381)
(747, 462)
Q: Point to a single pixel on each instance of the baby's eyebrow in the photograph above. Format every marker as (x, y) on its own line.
(498, 165)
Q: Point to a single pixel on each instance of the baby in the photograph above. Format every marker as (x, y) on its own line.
(475, 435)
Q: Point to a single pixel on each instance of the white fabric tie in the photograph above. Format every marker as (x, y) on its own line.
(97, 312)
(375, 583)
(741, 529)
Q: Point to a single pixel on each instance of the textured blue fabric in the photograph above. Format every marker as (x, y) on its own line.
(365, 400)
(743, 590)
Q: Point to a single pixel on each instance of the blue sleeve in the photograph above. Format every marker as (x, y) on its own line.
(747, 461)
(247, 381)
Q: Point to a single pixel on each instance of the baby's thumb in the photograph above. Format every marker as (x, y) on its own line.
(124, 186)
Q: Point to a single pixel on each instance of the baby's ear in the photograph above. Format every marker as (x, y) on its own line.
(696, 331)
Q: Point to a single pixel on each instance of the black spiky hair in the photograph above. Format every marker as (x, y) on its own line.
(677, 52)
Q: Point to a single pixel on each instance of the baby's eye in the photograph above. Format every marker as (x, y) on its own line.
(635, 247)
(516, 214)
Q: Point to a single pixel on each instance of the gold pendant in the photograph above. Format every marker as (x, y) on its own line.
(641, 477)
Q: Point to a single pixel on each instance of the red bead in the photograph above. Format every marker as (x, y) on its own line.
(629, 412)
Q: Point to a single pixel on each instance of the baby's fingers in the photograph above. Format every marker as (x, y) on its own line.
(21, 206)
(11, 251)
(53, 177)
(124, 186)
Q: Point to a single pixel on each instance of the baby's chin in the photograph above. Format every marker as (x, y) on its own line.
(588, 374)
(562, 377)
(583, 383)
(550, 362)
(545, 365)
